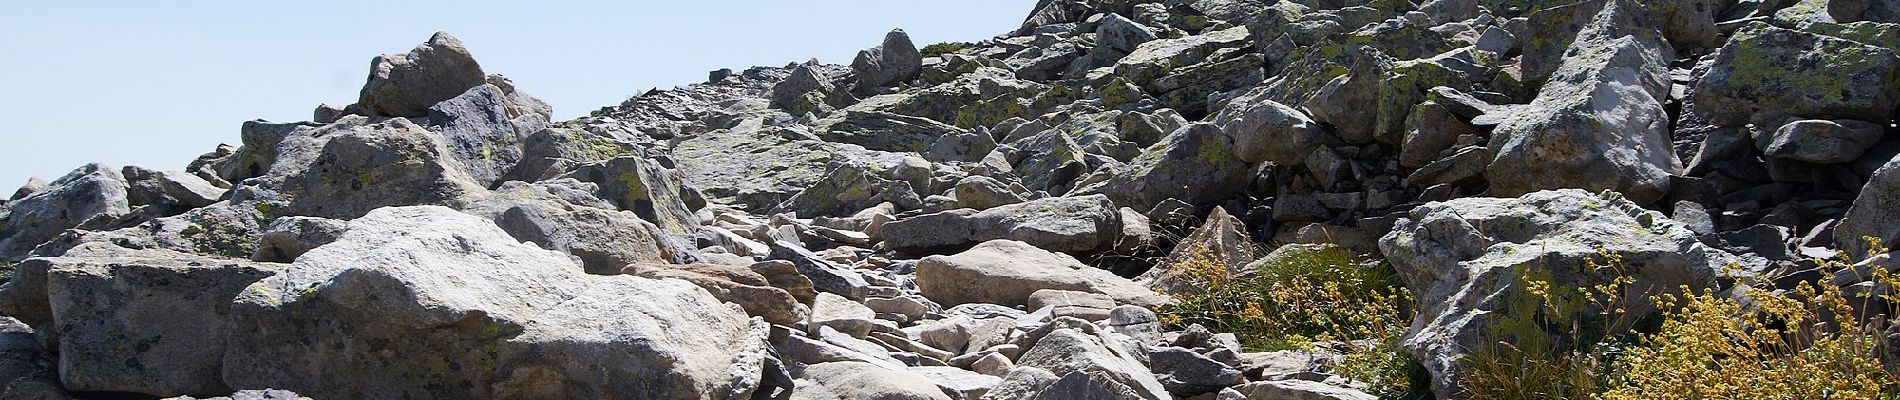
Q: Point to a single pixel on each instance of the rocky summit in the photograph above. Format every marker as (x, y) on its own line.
(1122, 199)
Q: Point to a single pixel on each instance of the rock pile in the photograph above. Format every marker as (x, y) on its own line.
(996, 220)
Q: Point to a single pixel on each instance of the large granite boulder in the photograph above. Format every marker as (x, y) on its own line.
(894, 62)
(1766, 73)
(405, 85)
(91, 191)
(344, 170)
(1058, 223)
(1875, 213)
(1197, 164)
(1007, 272)
(427, 302)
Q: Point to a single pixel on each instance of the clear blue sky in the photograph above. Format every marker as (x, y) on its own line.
(156, 83)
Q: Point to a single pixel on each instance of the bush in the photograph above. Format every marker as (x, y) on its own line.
(1555, 342)
(1305, 298)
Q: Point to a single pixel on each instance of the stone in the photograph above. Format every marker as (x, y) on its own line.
(1007, 272)
(22, 359)
(405, 85)
(1599, 123)
(1295, 389)
(254, 394)
(485, 129)
(1465, 260)
(563, 216)
(856, 380)
(1186, 373)
(548, 153)
(145, 321)
(645, 186)
(409, 292)
(846, 316)
(806, 90)
(732, 284)
(959, 383)
(344, 170)
(173, 191)
(1465, 166)
(1196, 164)
(993, 364)
(1875, 213)
(288, 237)
(1434, 130)
(1084, 305)
(1821, 141)
(824, 276)
(1221, 243)
(1078, 224)
(1765, 73)
(1272, 132)
(893, 62)
(751, 164)
(1120, 33)
(1064, 351)
(982, 193)
(89, 192)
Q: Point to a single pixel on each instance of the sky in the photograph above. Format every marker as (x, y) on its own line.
(157, 83)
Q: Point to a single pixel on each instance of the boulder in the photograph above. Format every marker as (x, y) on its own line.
(89, 192)
(144, 321)
(485, 130)
(822, 275)
(894, 62)
(1067, 303)
(563, 216)
(429, 302)
(1821, 141)
(1197, 164)
(344, 170)
(806, 90)
(1466, 261)
(1272, 132)
(1077, 224)
(1599, 122)
(753, 165)
(1875, 213)
(645, 186)
(288, 237)
(405, 85)
(732, 284)
(959, 383)
(982, 193)
(1221, 243)
(172, 191)
(1187, 374)
(1021, 383)
(1295, 389)
(1766, 73)
(1122, 34)
(850, 380)
(1007, 272)
(1103, 356)
(841, 314)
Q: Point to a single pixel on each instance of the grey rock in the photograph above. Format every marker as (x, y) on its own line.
(22, 359)
(858, 380)
(288, 237)
(1434, 130)
(846, 316)
(1299, 390)
(893, 62)
(1272, 132)
(33, 185)
(344, 170)
(1465, 257)
(1821, 141)
(824, 275)
(847, 188)
(1196, 164)
(751, 164)
(431, 287)
(1221, 241)
(562, 216)
(1069, 303)
(1875, 213)
(983, 193)
(1059, 223)
(1122, 34)
(485, 130)
(1007, 272)
(1186, 373)
(806, 90)
(405, 85)
(739, 285)
(1599, 123)
(93, 191)
(1065, 351)
(645, 186)
(171, 190)
(959, 383)
(1765, 73)
(1467, 165)
(1021, 383)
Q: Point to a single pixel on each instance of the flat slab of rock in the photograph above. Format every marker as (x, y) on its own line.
(1007, 272)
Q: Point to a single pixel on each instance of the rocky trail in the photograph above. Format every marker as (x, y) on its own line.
(1016, 218)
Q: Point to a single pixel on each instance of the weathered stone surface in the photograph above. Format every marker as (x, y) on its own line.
(1067, 303)
(147, 321)
(732, 284)
(806, 90)
(1464, 259)
(429, 302)
(983, 193)
(405, 85)
(1295, 389)
(344, 170)
(1599, 123)
(893, 62)
(844, 315)
(1196, 164)
(1765, 73)
(485, 130)
(174, 192)
(1103, 355)
(91, 191)
(563, 216)
(1821, 141)
(1875, 213)
(1186, 373)
(856, 380)
(1270, 131)
(959, 383)
(644, 186)
(1122, 34)
(1007, 272)
(1059, 223)
(824, 276)
(751, 164)
(1220, 242)
(22, 359)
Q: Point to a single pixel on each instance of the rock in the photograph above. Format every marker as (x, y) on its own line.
(823, 275)
(1273, 132)
(1765, 73)
(1077, 224)
(806, 90)
(33, 185)
(409, 292)
(1122, 34)
(784, 275)
(1067, 303)
(1465, 166)
(484, 129)
(1007, 272)
(893, 62)
(146, 321)
(562, 216)
(1434, 130)
(846, 316)
(173, 191)
(1464, 259)
(22, 359)
(982, 193)
(1109, 365)
(849, 187)
(993, 364)
(548, 153)
(751, 164)
(344, 170)
(1875, 213)
(1299, 390)
(405, 85)
(1155, 59)
(1599, 123)
(1196, 164)
(1821, 141)
(857, 380)
(732, 284)
(912, 307)
(883, 131)
(1186, 373)
(959, 383)
(265, 394)
(1221, 242)
(93, 191)
(646, 187)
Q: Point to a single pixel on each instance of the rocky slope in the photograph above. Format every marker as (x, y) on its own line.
(994, 220)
